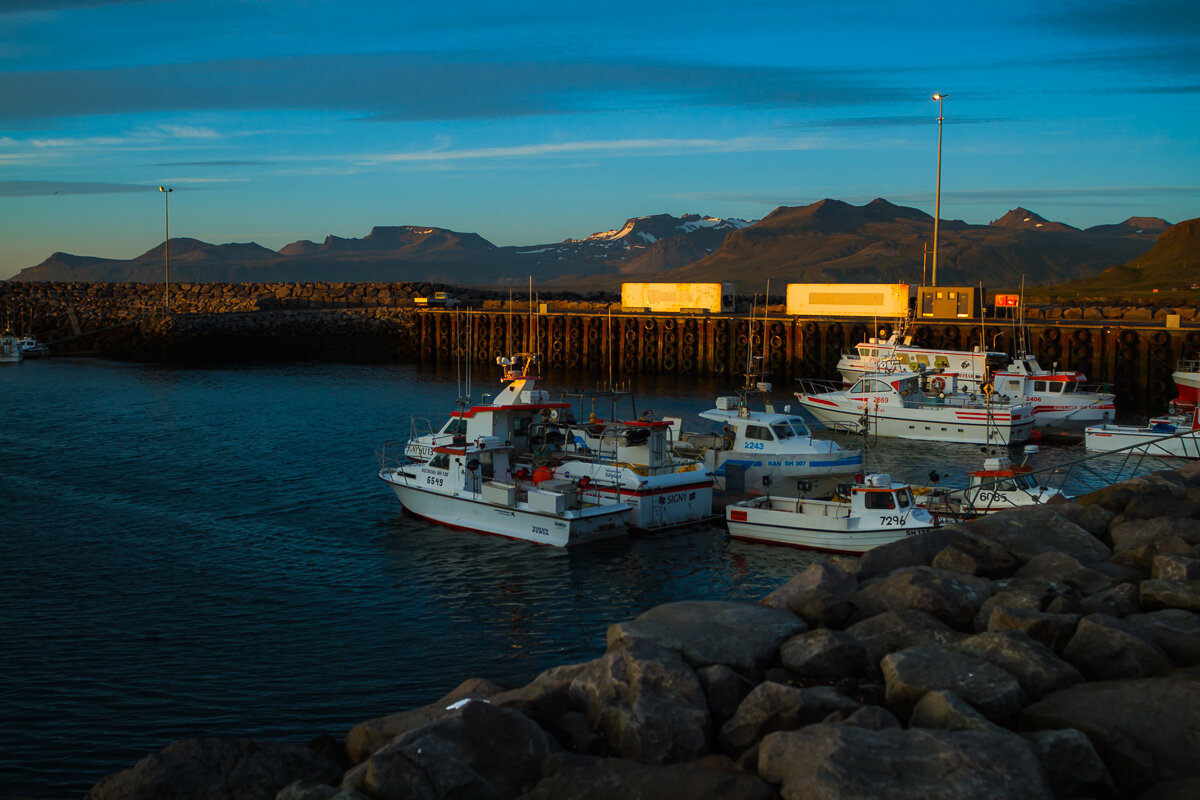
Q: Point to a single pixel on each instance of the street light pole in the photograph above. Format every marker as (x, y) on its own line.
(937, 197)
(167, 247)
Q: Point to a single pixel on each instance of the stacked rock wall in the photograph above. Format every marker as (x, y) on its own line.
(1047, 652)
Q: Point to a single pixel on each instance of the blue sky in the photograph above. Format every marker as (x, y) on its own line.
(532, 122)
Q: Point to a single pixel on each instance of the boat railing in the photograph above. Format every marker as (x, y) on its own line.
(818, 385)
(390, 455)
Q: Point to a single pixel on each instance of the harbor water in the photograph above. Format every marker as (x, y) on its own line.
(208, 552)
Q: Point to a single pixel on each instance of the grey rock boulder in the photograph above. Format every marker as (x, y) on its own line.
(1175, 631)
(824, 654)
(367, 737)
(842, 761)
(818, 595)
(775, 707)
(1146, 731)
(1157, 594)
(478, 750)
(218, 769)
(952, 597)
(1072, 765)
(1026, 532)
(989, 689)
(743, 636)
(1035, 666)
(647, 702)
(580, 778)
(1105, 648)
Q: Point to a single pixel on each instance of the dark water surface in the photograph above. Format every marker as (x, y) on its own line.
(207, 552)
(196, 552)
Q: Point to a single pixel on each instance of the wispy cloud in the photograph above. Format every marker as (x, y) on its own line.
(47, 188)
(621, 146)
(390, 86)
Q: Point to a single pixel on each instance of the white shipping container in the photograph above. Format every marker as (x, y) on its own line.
(675, 297)
(848, 299)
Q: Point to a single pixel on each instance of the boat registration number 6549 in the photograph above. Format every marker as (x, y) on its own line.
(433, 480)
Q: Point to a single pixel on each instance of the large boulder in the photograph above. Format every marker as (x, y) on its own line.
(1147, 731)
(1088, 576)
(842, 761)
(946, 711)
(911, 673)
(952, 597)
(1028, 531)
(1176, 631)
(953, 545)
(478, 750)
(218, 769)
(647, 702)
(1157, 594)
(367, 737)
(1052, 630)
(897, 630)
(1035, 666)
(1105, 648)
(743, 636)
(582, 778)
(824, 654)
(775, 707)
(1130, 534)
(818, 595)
(1072, 765)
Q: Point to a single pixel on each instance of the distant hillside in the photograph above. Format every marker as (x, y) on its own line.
(414, 253)
(831, 241)
(828, 241)
(1172, 263)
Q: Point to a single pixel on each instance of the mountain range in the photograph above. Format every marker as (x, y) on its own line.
(828, 241)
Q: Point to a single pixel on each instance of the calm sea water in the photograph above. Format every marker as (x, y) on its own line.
(207, 552)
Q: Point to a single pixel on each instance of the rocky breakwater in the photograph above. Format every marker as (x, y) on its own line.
(1049, 652)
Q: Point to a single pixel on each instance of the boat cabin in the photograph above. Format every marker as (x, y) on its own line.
(876, 492)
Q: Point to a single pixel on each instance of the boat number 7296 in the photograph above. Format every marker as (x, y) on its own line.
(890, 519)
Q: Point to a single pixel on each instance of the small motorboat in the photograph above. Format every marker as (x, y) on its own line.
(862, 515)
(10, 348)
(1176, 436)
(894, 404)
(999, 485)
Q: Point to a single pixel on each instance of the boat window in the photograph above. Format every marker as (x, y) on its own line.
(799, 426)
(759, 432)
(1056, 387)
(783, 430)
(455, 425)
(923, 360)
(879, 386)
(903, 499)
(1014, 385)
(858, 388)
(440, 461)
(1025, 482)
(1070, 388)
(1039, 386)
(879, 500)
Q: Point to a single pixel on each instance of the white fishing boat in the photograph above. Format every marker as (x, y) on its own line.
(895, 405)
(1176, 436)
(1187, 383)
(1060, 398)
(631, 461)
(10, 348)
(867, 514)
(999, 485)
(757, 450)
(32, 348)
(472, 485)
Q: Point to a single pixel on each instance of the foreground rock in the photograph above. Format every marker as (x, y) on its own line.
(1049, 652)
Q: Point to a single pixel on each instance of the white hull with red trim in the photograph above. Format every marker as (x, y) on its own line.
(1187, 383)
(999, 485)
(1059, 398)
(894, 405)
(1176, 436)
(470, 486)
(875, 513)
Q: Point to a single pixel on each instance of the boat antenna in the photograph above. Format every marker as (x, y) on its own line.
(509, 347)
(608, 345)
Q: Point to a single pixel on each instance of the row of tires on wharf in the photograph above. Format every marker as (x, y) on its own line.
(1135, 360)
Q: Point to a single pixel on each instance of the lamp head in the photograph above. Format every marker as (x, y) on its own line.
(939, 97)
(165, 189)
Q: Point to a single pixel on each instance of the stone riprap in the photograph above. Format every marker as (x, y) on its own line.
(1045, 659)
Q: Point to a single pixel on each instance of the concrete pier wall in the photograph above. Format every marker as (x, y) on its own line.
(1133, 348)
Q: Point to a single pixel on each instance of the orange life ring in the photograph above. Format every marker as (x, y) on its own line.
(938, 384)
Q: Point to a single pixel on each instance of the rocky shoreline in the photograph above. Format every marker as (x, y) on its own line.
(1048, 652)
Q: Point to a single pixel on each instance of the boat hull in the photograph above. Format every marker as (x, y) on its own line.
(817, 531)
(929, 423)
(471, 513)
(1107, 438)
